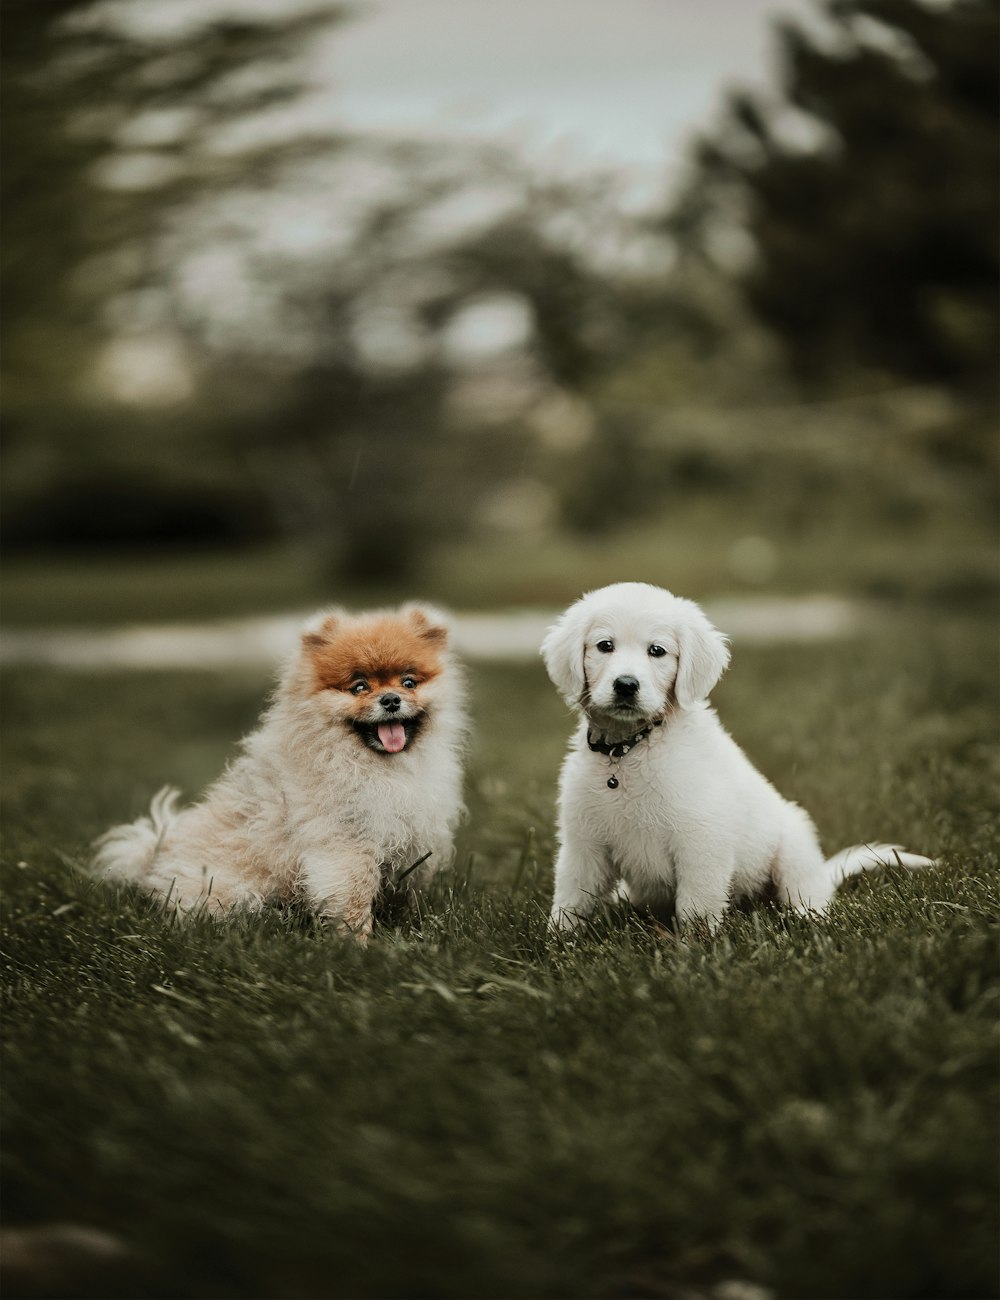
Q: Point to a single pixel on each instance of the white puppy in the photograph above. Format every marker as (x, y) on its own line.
(654, 793)
(353, 775)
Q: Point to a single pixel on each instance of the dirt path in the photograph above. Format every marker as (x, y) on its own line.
(511, 635)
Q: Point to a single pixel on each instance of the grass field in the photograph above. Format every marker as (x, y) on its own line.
(473, 1108)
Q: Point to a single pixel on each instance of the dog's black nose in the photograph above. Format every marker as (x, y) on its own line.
(626, 687)
(389, 702)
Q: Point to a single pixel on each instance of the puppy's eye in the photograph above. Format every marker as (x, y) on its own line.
(605, 646)
(359, 688)
(410, 683)
(657, 651)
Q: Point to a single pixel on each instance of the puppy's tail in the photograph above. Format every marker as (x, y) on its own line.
(127, 852)
(869, 857)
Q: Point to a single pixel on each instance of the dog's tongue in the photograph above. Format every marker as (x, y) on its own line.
(392, 735)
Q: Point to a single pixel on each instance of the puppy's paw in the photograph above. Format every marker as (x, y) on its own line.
(358, 933)
(698, 923)
(563, 920)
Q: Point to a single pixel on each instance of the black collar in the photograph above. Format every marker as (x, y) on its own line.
(621, 747)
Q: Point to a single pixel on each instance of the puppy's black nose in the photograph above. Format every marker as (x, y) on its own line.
(626, 687)
(389, 702)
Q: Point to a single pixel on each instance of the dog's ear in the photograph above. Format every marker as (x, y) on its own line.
(429, 624)
(562, 652)
(321, 629)
(703, 656)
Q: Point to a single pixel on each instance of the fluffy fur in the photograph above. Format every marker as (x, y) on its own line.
(353, 774)
(690, 821)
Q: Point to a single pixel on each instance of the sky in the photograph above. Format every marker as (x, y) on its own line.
(619, 83)
(572, 85)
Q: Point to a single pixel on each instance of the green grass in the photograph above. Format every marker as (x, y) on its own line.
(473, 1108)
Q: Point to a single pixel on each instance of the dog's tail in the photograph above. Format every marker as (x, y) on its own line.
(869, 857)
(127, 852)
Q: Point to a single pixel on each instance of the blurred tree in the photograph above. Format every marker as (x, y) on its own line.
(107, 134)
(392, 434)
(47, 234)
(868, 192)
(212, 336)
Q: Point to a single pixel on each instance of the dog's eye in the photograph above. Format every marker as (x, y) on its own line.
(657, 651)
(605, 646)
(410, 683)
(359, 688)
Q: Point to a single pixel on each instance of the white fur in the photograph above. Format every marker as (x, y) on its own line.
(691, 820)
(305, 810)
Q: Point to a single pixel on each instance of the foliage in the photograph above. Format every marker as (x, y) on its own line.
(82, 90)
(863, 498)
(472, 1108)
(259, 329)
(868, 189)
(217, 333)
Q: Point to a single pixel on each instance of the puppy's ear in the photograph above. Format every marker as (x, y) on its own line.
(703, 656)
(321, 629)
(428, 623)
(562, 652)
